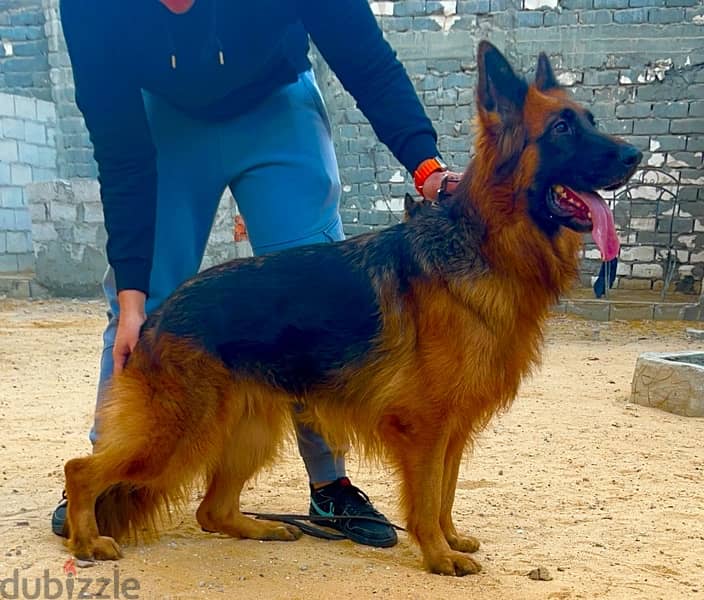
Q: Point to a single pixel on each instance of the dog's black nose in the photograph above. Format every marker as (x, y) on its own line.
(629, 155)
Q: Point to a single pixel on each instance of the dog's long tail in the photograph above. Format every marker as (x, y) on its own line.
(125, 511)
(157, 433)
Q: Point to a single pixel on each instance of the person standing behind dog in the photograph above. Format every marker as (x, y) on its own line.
(183, 98)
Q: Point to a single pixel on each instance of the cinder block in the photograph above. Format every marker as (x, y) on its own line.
(687, 126)
(35, 133)
(8, 263)
(7, 105)
(631, 311)
(25, 108)
(46, 158)
(63, 211)
(20, 174)
(13, 128)
(46, 111)
(666, 15)
(28, 153)
(18, 242)
(595, 17)
(8, 151)
(11, 197)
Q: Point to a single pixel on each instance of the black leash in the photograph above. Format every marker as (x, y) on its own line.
(298, 521)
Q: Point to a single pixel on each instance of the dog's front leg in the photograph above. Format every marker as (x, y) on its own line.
(453, 459)
(419, 451)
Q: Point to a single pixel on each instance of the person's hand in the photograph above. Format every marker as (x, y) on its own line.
(132, 316)
(435, 182)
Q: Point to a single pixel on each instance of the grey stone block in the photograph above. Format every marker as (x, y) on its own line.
(13, 128)
(23, 222)
(40, 174)
(7, 105)
(46, 112)
(631, 16)
(552, 19)
(5, 174)
(595, 310)
(8, 151)
(665, 15)
(673, 382)
(529, 18)
(595, 17)
(28, 153)
(636, 110)
(18, 242)
(671, 110)
(670, 143)
(695, 143)
(25, 108)
(12, 197)
(664, 311)
(650, 126)
(687, 126)
(20, 174)
(409, 8)
(473, 7)
(25, 262)
(46, 158)
(8, 263)
(631, 311)
(7, 219)
(35, 133)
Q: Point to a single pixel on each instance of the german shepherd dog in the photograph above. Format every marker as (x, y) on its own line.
(403, 342)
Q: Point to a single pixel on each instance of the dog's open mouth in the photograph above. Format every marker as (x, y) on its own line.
(586, 211)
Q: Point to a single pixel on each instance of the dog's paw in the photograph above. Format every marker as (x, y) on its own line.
(463, 543)
(284, 532)
(453, 563)
(100, 548)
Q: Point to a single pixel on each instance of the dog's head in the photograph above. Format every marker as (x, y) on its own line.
(548, 149)
(412, 207)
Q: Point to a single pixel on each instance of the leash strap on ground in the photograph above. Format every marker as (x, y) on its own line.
(299, 521)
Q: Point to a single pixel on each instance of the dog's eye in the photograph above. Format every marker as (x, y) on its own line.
(561, 127)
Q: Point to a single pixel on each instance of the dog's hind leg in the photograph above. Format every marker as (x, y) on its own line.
(84, 482)
(419, 448)
(254, 442)
(453, 459)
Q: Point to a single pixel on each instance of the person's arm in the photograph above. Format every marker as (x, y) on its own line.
(351, 42)
(111, 103)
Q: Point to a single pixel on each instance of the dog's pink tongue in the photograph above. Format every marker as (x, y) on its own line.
(604, 229)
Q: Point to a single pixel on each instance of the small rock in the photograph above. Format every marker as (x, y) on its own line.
(540, 574)
(21, 523)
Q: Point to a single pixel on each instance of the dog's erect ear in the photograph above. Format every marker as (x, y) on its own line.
(499, 89)
(544, 76)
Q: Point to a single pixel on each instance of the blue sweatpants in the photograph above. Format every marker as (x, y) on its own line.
(279, 162)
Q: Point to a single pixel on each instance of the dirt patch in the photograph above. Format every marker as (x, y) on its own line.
(605, 495)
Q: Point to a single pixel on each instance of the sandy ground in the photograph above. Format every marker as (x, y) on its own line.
(607, 496)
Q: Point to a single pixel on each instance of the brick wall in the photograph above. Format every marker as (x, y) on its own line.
(638, 63)
(75, 158)
(24, 68)
(27, 153)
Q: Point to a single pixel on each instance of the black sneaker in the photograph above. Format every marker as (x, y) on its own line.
(58, 517)
(341, 499)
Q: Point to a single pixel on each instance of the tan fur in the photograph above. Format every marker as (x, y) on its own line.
(451, 353)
